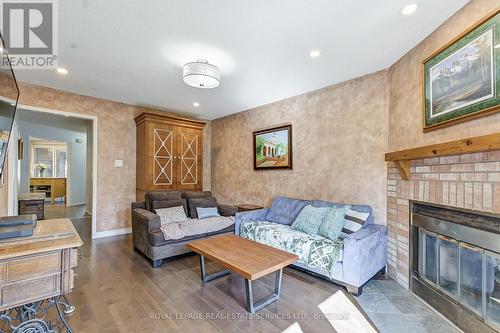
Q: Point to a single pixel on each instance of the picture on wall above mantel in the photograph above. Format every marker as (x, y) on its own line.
(461, 80)
(273, 148)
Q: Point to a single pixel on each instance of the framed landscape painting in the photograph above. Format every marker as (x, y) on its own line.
(272, 148)
(461, 80)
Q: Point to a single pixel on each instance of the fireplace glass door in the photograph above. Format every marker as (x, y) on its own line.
(471, 277)
(428, 257)
(448, 265)
(492, 292)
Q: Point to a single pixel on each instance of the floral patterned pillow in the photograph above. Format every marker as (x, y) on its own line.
(310, 219)
(171, 214)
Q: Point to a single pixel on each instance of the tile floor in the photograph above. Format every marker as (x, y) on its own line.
(393, 309)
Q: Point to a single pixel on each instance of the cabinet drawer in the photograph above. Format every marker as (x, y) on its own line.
(26, 292)
(30, 267)
(74, 258)
(72, 279)
(41, 182)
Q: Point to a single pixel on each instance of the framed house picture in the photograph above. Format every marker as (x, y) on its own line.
(461, 80)
(272, 148)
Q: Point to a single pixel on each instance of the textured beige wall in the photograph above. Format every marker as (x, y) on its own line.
(116, 139)
(405, 90)
(339, 141)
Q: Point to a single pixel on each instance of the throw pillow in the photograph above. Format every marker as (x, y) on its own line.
(353, 222)
(171, 214)
(170, 203)
(334, 222)
(310, 219)
(206, 212)
(200, 202)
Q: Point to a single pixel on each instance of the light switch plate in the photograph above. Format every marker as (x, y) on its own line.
(118, 163)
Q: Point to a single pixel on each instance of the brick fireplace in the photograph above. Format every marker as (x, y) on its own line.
(470, 181)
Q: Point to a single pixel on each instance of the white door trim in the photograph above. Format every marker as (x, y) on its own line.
(12, 167)
(94, 152)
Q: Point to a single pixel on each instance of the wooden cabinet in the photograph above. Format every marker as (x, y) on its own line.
(169, 153)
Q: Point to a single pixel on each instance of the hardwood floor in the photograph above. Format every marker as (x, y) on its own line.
(118, 291)
(60, 210)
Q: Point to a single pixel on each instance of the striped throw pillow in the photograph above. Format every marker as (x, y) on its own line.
(353, 222)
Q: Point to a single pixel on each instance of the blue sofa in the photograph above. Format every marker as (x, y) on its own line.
(351, 261)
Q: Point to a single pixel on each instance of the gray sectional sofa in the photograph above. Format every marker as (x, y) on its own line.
(350, 262)
(146, 234)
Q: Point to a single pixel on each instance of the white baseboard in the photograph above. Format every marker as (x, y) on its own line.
(114, 232)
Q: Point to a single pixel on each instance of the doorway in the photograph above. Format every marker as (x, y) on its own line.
(58, 147)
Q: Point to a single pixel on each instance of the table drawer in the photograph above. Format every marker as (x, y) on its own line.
(28, 291)
(41, 182)
(31, 267)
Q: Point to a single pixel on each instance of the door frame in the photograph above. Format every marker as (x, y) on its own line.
(93, 119)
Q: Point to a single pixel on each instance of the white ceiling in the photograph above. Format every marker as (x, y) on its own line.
(133, 51)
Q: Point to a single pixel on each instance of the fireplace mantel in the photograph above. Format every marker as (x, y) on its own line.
(464, 146)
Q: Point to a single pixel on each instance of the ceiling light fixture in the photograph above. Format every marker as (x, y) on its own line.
(497, 46)
(409, 9)
(201, 74)
(196, 104)
(314, 53)
(61, 70)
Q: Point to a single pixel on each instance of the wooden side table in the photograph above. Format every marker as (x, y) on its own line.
(247, 207)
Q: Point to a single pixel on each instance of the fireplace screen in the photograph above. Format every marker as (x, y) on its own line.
(467, 273)
(492, 304)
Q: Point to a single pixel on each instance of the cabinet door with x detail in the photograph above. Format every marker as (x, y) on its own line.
(189, 159)
(163, 157)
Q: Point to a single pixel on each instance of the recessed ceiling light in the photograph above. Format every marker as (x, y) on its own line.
(61, 70)
(409, 9)
(314, 53)
(196, 104)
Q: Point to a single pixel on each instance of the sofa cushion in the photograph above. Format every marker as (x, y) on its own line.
(171, 214)
(309, 219)
(356, 208)
(150, 197)
(196, 194)
(333, 222)
(314, 251)
(155, 236)
(200, 202)
(284, 210)
(170, 203)
(206, 212)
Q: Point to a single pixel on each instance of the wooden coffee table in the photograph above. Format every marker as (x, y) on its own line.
(248, 259)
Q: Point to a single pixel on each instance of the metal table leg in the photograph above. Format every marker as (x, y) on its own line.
(253, 307)
(209, 277)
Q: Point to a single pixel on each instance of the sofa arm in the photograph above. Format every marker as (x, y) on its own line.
(138, 204)
(365, 254)
(227, 210)
(144, 219)
(253, 215)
